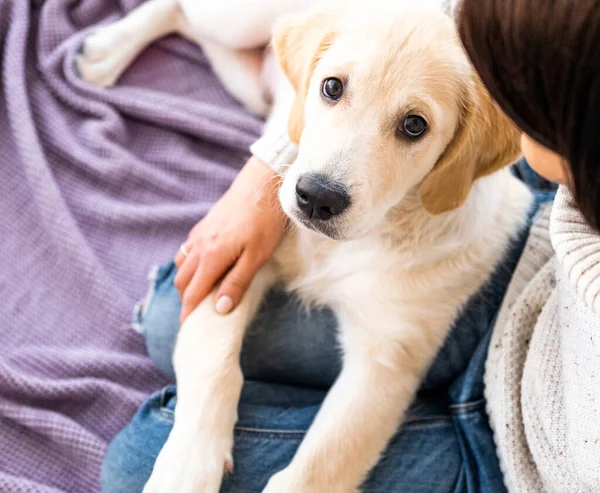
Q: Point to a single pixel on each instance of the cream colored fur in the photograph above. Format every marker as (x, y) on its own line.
(429, 219)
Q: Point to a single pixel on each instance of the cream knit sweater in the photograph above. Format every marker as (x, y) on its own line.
(543, 368)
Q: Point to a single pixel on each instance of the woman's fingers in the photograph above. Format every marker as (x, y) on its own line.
(210, 269)
(184, 251)
(236, 283)
(186, 271)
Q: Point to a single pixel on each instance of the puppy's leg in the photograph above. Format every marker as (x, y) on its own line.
(237, 24)
(111, 49)
(233, 35)
(363, 409)
(209, 382)
(240, 72)
(245, 68)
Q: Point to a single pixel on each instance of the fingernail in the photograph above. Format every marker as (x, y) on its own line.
(224, 305)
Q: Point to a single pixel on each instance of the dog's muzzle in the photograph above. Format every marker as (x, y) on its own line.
(320, 198)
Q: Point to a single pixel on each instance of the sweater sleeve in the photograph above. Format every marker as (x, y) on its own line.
(275, 147)
(577, 247)
(276, 150)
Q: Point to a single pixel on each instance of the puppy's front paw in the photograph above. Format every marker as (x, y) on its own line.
(191, 464)
(105, 55)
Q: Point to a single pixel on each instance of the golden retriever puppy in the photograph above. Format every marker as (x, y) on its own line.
(402, 209)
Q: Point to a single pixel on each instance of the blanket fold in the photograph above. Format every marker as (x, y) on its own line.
(96, 186)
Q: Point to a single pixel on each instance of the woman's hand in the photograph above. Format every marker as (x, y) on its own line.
(235, 239)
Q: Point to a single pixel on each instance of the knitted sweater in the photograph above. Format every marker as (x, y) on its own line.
(543, 367)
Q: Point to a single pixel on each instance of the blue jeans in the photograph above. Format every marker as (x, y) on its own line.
(290, 358)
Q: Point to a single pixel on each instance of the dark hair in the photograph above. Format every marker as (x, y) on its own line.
(540, 60)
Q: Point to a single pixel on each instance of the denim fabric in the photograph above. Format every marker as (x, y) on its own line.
(290, 358)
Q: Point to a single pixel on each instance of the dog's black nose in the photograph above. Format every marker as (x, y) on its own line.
(320, 198)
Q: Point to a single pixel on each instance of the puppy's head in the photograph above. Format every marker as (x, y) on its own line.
(387, 107)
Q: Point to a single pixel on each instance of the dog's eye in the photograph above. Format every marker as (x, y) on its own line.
(332, 89)
(413, 126)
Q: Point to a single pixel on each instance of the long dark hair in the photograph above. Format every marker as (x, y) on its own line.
(540, 60)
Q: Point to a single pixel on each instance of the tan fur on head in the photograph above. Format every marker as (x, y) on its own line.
(485, 141)
(409, 65)
(299, 41)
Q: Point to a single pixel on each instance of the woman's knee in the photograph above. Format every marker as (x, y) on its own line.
(121, 469)
(157, 317)
(131, 455)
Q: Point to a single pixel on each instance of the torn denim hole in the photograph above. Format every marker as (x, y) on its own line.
(139, 310)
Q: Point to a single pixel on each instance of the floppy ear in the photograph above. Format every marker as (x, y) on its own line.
(299, 42)
(486, 141)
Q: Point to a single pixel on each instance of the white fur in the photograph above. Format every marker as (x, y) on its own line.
(232, 33)
(395, 275)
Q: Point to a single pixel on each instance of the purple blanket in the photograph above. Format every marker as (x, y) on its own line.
(95, 187)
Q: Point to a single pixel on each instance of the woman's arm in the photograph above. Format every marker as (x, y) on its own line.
(239, 235)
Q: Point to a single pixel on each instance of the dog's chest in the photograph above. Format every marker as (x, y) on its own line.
(322, 271)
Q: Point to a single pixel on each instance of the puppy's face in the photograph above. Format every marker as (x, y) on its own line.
(385, 102)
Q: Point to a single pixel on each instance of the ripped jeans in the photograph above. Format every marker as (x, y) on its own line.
(290, 358)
